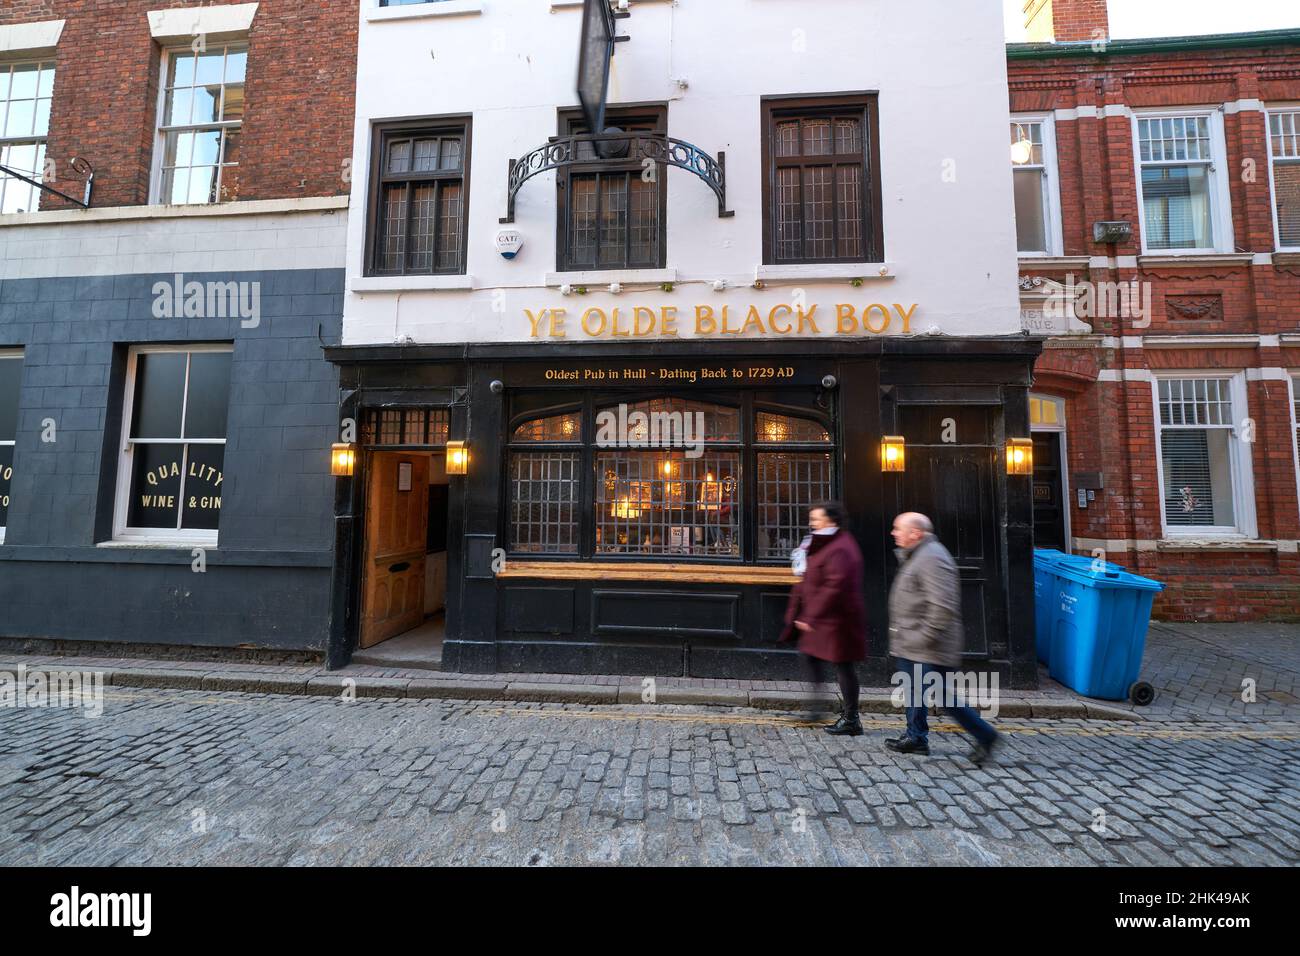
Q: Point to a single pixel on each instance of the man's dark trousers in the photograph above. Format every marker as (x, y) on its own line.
(917, 726)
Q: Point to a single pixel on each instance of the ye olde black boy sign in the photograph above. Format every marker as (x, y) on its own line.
(706, 321)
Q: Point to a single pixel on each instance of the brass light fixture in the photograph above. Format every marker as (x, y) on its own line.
(343, 459)
(893, 453)
(1020, 456)
(457, 458)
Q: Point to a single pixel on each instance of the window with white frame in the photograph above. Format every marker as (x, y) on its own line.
(174, 442)
(201, 122)
(1180, 191)
(25, 94)
(1204, 465)
(1295, 417)
(1284, 136)
(11, 368)
(1037, 196)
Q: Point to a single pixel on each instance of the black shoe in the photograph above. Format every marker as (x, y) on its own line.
(980, 753)
(845, 727)
(908, 745)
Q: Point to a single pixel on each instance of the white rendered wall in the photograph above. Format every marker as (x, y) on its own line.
(939, 66)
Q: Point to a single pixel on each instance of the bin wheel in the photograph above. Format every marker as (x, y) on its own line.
(1142, 693)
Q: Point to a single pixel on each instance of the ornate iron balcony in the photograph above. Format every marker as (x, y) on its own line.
(615, 149)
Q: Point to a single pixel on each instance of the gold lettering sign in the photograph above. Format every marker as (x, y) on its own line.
(707, 321)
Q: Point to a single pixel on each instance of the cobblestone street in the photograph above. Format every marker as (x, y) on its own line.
(190, 777)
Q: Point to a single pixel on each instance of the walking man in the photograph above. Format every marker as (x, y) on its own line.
(827, 612)
(926, 636)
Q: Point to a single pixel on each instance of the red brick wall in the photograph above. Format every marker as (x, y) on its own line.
(1066, 20)
(1111, 425)
(299, 93)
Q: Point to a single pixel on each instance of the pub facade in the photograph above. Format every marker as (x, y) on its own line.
(592, 380)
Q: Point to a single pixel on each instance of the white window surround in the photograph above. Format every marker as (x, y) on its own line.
(161, 537)
(1220, 199)
(156, 175)
(1293, 382)
(31, 39)
(1272, 167)
(412, 283)
(1240, 464)
(866, 271)
(1052, 200)
(375, 13)
(229, 21)
(606, 276)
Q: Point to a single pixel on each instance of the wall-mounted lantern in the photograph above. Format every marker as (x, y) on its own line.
(457, 458)
(343, 459)
(1020, 456)
(893, 453)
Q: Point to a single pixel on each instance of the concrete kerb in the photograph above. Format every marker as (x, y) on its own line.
(457, 687)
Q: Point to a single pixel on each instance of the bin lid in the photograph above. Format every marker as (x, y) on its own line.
(1086, 563)
(1049, 556)
(1117, 578)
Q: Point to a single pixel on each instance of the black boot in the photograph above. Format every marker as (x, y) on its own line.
(847, 726)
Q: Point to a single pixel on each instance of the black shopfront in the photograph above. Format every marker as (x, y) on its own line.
(580, 540)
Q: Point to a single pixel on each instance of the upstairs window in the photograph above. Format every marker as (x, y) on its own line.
(1284, 137)
(419, 199)
(26, 90)
(202, 122)
(1180, 205)
(1037, 198)
(821, 190)
(613, 212)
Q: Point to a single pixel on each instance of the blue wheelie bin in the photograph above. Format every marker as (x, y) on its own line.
(1099, 630)
(1045, 562)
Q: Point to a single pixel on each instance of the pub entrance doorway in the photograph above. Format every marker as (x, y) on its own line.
(404, 559)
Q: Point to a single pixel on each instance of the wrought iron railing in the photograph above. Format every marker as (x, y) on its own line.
(617, 148)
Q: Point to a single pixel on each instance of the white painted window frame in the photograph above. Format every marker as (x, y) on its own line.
(1272, 176)
(1220, 198)
(160, 130)
(1059, 429)
(121, 508)
(41, 142)
(1241, 467)
(1055, 230)
(1293, 383)
(8, 355)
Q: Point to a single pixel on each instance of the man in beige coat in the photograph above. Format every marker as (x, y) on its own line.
(926, 636)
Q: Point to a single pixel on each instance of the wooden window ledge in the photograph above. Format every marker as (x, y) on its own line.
(648, 571)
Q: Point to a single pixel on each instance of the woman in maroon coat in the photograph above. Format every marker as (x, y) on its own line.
(827, 612)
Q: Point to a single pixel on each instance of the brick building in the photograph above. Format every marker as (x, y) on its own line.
(165, 411)
(1158, 215)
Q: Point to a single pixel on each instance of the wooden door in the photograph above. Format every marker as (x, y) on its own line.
(397, 518)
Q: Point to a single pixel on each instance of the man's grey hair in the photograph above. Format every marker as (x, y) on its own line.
(918, 521)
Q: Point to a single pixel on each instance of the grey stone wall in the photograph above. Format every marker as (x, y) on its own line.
(267, 581)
